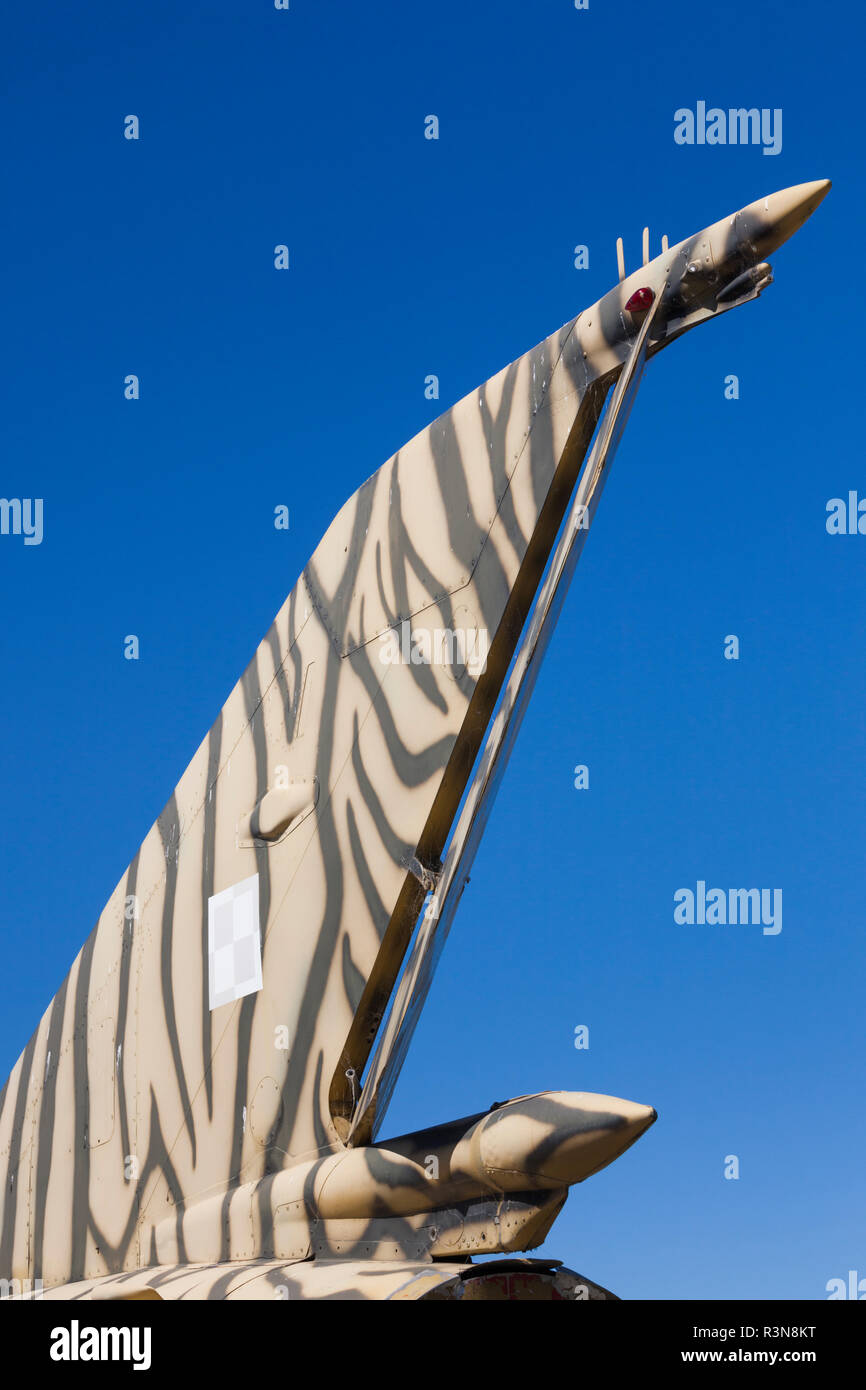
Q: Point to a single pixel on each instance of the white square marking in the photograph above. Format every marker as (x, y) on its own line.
(234, 943)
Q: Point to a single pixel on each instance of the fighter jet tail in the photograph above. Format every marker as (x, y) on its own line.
(191, 1091)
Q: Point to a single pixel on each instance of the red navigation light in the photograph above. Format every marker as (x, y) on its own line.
(640, 301)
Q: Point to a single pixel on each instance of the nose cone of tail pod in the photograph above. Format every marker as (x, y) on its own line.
(552, 1139)
(772, 220)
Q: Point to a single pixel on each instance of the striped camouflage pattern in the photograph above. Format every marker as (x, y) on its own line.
(129, 1070)
(389, 1281)
(334, 777)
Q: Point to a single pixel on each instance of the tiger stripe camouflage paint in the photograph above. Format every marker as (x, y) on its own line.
(129, 1070)
(358, 1280)
(140, 1127)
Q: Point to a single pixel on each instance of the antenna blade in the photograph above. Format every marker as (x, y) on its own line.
(620, 259)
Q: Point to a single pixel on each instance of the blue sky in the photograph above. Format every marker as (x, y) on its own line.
(453, 257)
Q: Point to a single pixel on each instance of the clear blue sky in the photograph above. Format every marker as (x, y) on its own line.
(412, 257)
